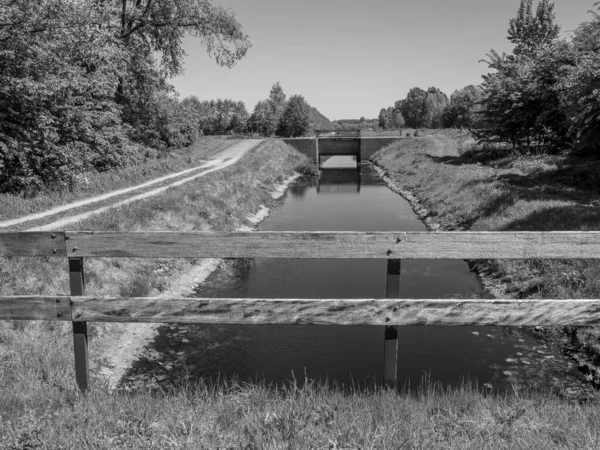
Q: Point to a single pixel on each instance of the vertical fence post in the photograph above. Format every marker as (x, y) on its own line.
(80, 335)
(390, 352)
(317, 151)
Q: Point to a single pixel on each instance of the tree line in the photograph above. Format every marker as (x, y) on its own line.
(544, 96)
(278, 115)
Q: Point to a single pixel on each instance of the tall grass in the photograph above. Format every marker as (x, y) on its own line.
(256, 416)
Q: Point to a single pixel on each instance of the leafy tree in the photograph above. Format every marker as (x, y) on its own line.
(317, 121)
(295, 119)
(399, 120)
(58, 117)
(463, 107)
(520, 102)
(152, 33)
(384, 119)
(412, 107)
(276, 102)
(434, 104)
(579, 87)
(259, 121)
(528, 31)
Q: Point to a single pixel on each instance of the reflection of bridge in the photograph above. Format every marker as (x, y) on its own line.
(350, 180)
(340, 142)
(339, 180)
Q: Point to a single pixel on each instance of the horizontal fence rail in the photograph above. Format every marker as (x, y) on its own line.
(384, 311)
(266, 244)
(389, 312)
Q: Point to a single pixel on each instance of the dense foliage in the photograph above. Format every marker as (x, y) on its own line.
(542, 97)
(291, 118)
(419, 109)
(84, 84)
(463, 107)
(294, 121)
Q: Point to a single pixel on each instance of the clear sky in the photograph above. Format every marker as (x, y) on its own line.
(350, 58)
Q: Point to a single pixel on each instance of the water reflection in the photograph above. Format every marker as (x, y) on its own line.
(336, 181)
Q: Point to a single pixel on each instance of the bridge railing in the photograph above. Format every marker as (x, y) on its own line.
(390, 311)
(337, 133)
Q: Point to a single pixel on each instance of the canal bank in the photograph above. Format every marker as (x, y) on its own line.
(350, 199)
(454, 187)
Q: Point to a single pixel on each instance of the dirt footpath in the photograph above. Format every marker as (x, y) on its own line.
(55, 218)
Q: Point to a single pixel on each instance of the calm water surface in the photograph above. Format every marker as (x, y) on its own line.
(350, 199)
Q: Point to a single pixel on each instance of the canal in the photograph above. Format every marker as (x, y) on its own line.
(350, 198)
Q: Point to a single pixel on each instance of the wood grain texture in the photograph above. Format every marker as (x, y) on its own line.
(37, 307)
(32, 243)
(338, 311)
(384, 245)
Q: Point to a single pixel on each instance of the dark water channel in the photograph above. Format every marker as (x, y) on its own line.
(351, 199)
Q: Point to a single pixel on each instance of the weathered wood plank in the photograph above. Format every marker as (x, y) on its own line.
(390, 245)
(22, 307)
(32, 243)
(338, 311)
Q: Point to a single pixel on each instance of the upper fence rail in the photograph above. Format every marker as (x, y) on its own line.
(290, 244)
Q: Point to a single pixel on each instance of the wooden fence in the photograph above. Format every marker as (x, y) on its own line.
(389, 312)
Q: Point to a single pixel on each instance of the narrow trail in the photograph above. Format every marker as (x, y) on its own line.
(53, 218)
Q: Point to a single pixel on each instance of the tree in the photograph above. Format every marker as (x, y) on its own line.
(259, 121)
(412, 107)
(520, 102)
(464, 104)
(276, 102)
(58, 117)
(152, 32)
(384, 119)
(295, 119)
(434, 104)
(529, 32)
(579, 88)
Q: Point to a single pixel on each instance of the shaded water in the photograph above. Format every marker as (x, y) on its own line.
(352, 199)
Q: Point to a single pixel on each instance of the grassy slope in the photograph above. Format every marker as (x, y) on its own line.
(41, 408)
(13, 206)
(498, 191)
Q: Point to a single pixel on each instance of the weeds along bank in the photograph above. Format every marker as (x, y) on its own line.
(36, 360)
(453, 188)
(92, 184)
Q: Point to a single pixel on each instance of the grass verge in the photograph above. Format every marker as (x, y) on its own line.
(237, 416)
(459, 186)
(13, 206)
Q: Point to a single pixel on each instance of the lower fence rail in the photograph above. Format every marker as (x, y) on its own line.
(388, 312)
(263, 311)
